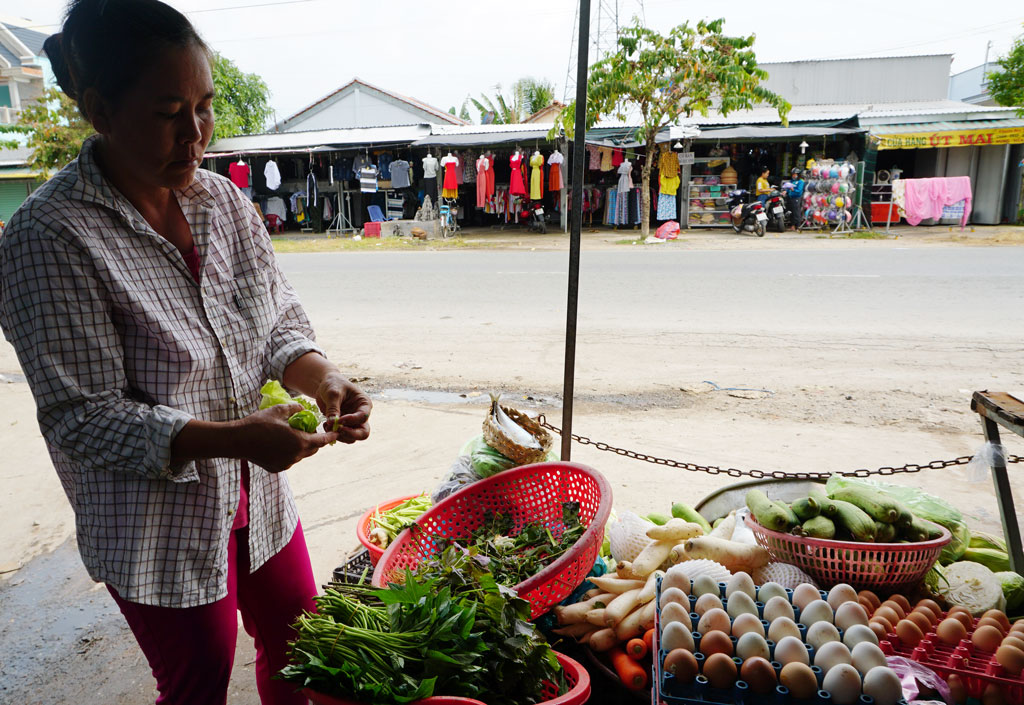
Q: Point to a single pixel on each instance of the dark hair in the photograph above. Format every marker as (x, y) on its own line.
(108, 44)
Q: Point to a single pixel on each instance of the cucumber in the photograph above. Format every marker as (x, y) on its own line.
(806, 508)
(927, 530)
(688, 513)
(657, 519)
(791, 518)
(855, 520)
(718, 521)
(820, 527)
(875, 504)
(885, 533)
(768, 514)
(825, 505)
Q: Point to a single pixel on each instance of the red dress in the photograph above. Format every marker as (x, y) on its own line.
(517, 187)
(451, 179)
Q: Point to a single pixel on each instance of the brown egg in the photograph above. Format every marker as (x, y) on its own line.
(1000, 617)
(928, 614)
(922, 622)
(950, 631)
(989, 622)
(987, 638)
(800, 680)
(682, 664)
(884, 622)
(1017, 626)
(963, 616)
(879, 629)
(902, 601)
(895, 607)
(720, 671)
(759, 675)
(957, 689)
(887, 613)
(909, 633)
(867, 605)
(871, 597)
(1014, 640)
(932, 605)
(716, 643)
(1011, 658)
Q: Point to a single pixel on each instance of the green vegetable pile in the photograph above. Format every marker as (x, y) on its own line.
(451, 629)
(513, 559)
(308, 420)
(388, 525)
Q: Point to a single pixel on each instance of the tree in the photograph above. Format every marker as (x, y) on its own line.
(242, 102)
(660, 79)
(1007, 85)
(528, 96)
(55, 131)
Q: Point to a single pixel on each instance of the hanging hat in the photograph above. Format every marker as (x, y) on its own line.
(839, 202)
(835, 188)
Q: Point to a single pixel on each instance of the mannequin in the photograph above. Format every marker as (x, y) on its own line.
(516, 185)
(483, 168)
(555, 180)
(430, 177)
(536, 176)
(625, 189)
(450, 187)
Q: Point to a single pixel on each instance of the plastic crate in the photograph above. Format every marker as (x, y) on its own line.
(371, 229)
(355, 567)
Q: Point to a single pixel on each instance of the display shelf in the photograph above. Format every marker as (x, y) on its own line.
(700, 191)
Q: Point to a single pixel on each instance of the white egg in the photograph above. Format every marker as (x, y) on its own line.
(747, 623)
(816, 611)
(821, 633)
(782, 627)
(882, 684)
(740, 603)
(843, 682)
(778, 607)
(770, 590)
(674, 594)
(804, 594)
(707, 602)
(675, 578)
(674, 612)
(850, 613)
(841, 593)
(830, 655)
(741, 582)
(705, 585)
(866, 656)
(675, 635)
(791, 649)
(750, 645)
(857, 634)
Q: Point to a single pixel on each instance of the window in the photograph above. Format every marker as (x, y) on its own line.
(5, 96)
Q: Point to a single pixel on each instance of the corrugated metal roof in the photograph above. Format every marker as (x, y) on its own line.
(853, 58)
(29, 37)
(310, 140)
(947, 125)
(9, 56)
(418, 104)
(871, 113)
(477, 135)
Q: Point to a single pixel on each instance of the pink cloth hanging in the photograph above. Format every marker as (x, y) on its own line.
(925, 198)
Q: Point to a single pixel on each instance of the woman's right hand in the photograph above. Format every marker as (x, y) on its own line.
(268, 441)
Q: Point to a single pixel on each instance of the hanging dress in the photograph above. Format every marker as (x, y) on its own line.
(450, 188)
(483, 166)
(516, 185)
(537, 177)
(490, 175)
(555, 179)
(625, 188)
(668, 185)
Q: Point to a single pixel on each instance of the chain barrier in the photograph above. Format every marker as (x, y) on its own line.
(761, 474)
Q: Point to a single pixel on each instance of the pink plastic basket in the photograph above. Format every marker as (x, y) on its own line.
(885, 567)
(576, 677)
(365, 525)
(529, 493)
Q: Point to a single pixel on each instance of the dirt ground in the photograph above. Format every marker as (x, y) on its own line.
(62, 640)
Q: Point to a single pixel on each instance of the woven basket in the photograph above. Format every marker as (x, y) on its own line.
(504, 445)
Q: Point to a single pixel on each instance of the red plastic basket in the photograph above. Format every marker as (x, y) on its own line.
(885, 567)
(529, 493)
(364, 526)
(576, 677)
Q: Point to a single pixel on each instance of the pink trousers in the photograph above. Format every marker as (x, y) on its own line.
(192, 650)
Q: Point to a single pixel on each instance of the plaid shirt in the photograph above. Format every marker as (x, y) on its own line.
(122, 348)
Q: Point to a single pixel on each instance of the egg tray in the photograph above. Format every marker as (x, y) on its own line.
(976, 668)
(670, 692)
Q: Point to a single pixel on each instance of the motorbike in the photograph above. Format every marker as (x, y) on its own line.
(776, 208)
(749, 217)
(537, 222)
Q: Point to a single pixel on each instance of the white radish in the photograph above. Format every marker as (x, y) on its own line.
(675, 530)
(576, 613)
(633, 624)
(602, 640)
(595, 617)
(651, 587)
(725, 529)
(653, 555)
(616, 586)
(617, 609)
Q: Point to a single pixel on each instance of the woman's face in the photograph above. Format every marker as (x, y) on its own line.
(160, 128)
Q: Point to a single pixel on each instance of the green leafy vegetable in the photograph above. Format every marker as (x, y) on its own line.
(487, 461)
(308, 420)
(1013, 589)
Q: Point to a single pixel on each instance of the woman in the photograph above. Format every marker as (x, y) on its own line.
(763, 188)
(144, 302)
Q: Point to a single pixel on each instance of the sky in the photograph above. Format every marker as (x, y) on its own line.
(441, 52)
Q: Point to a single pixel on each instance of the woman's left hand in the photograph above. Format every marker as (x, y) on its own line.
(346, 407)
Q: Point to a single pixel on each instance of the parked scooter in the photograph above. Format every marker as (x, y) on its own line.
(746, 217)
(775, 209)
(537, 222)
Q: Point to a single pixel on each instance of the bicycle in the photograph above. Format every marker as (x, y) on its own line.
(449, 212)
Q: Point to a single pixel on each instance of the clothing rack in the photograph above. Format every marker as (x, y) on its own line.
(342, 222)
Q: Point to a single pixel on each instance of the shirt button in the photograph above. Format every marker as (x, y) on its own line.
(230, 512)
(232, 400)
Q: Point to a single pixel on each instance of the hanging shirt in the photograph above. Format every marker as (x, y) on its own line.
(400, 173)
(311, 188)
(384, 162)
(430, 167)
(358, 164)
(239, 172)
(606, 158)
(368, 179)
(273, 175)
(275, 206)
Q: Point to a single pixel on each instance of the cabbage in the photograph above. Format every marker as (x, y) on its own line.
(308, 420)
(487, 461)
(1013, 589)
(972, 586)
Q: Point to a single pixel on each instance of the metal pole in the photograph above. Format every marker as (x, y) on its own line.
(579, 156)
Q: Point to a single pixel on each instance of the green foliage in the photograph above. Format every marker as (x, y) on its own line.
(1007, 84)
(242, 102)
(528, 96)
(657, 79)
(55, 130)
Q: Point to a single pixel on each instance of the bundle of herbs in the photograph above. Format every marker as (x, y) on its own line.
(451, 629)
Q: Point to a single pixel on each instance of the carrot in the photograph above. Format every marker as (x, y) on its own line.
(649, 640)
(631, 673)
(637, 649)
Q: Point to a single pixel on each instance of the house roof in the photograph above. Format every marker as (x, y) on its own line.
(29, 37)
(418, 104)
(317, 140)
(866, 113)
(545, 113)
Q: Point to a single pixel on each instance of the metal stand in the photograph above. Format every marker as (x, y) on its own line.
(1000, 409)
(342, 222)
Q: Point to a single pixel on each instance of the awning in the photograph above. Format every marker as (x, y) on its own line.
(317, 140)
(941, 135)
(480, 138)
(777, 133)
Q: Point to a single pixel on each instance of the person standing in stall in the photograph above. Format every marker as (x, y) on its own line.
(146, 307)
(763, 188)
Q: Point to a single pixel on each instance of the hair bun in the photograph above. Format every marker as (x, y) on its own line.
(53, 47)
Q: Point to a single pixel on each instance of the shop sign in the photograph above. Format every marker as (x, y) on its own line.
(685, 158)
(950, 138)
